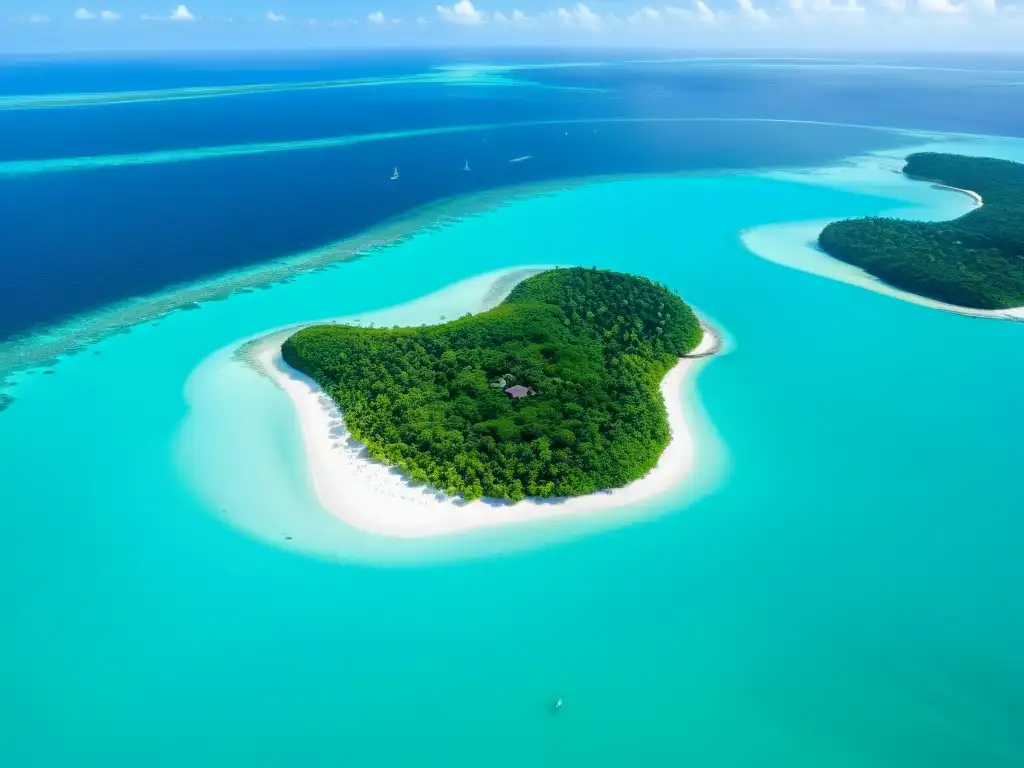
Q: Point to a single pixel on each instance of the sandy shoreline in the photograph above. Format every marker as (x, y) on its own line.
(796, 246)
(378, 499)
(969, 192)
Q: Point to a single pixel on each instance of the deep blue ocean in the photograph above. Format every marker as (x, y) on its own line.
(838, 584)
(74, 242)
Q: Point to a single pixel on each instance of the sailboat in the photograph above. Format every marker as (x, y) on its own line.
(395, 174)
(466, 166)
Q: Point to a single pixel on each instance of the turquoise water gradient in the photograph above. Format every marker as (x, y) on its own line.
(19, 168)
(849, 596)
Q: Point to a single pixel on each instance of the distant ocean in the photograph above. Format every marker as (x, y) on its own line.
(82, 240)
(848, 595)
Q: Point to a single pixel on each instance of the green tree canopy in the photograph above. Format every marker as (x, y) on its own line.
(976, 260)
(591, 345)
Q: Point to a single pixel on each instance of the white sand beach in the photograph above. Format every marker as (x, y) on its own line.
(978, 202)
(378, 499)
(795, 245)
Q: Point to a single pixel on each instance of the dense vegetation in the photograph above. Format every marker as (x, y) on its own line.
(592, 345)
(974, 261)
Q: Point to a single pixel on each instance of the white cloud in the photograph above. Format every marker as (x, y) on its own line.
(84, 14)
(276, 17)
(463, 12)
(848, 8)
(181, 13)
(579, 16)
(895, 6)
(37, 18)
(851, 7)
(377, 17)
(518, 17)
(750, 11)
(704, 13)
(676, 13)
(645, 15)
(500, 17)
(986, 6)
(940, 6)
(420, 20)
(109, 16)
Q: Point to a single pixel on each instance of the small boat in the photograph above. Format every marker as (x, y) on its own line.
(466, 166)
(395, 174)
(558, 704)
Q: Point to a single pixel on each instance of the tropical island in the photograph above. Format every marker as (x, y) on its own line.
(554, 392)
(974, 261)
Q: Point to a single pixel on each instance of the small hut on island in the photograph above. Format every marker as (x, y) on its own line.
(518, 391)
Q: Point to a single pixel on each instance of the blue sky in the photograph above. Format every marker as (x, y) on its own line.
(894, 25)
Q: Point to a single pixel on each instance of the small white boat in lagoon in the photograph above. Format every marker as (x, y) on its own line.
(558, 705)
(466, 166)
(395, 174)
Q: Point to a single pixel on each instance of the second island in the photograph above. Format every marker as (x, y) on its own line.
(974, 261)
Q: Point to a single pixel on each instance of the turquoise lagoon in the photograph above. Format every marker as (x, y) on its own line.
(846, 592)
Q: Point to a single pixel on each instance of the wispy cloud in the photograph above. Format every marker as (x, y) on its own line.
(940, 6)
(462, 12)
(181, 13)
(579, 15)
(646, 15)
(377, 17)
(84, 14)
(750, 11)
(275, 18)
(704, 12)
(815, 8)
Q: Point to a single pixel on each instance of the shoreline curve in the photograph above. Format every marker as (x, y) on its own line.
(376, 498)
(795, 245)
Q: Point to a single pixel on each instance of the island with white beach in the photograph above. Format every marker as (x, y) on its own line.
(565, 398)
(975, 261)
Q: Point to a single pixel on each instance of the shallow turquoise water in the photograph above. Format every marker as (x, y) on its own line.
(849, 596)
